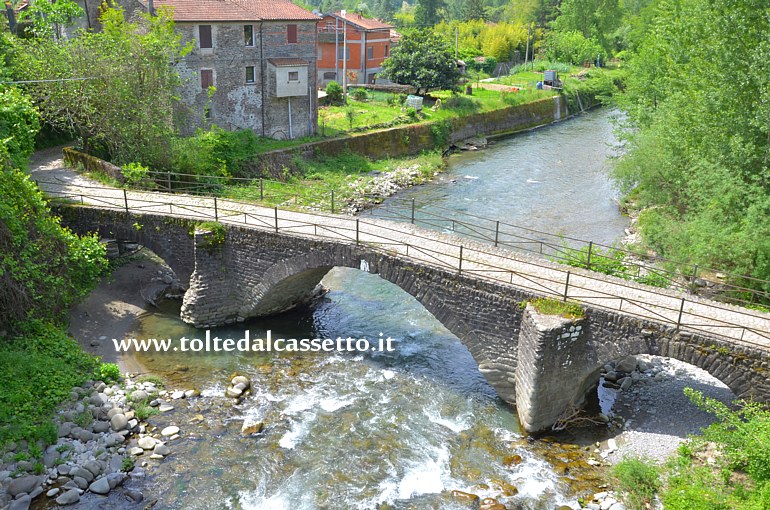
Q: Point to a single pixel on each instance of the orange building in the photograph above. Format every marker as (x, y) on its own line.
(369, 42)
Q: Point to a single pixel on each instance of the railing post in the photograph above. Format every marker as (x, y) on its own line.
(168, 180)
(276, 219)
(681, 310)
(412, 211)
(566, 286)
(261, 189)
(125, 199)
(357, 231)
(694, 276)
(460, 266)
(332, 201)
(590, 250)
(497, 231)
(216, 210)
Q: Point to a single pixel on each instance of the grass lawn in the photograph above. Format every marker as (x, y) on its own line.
(382, 109)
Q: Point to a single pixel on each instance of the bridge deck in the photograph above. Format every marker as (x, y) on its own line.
(424, 246)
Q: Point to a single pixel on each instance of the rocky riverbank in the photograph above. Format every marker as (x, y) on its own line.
(105, 448)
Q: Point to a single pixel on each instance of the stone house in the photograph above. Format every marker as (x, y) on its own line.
(252, 66)
(369, 42)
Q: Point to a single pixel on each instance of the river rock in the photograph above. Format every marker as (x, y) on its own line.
(70, 497)
(82, 472)
(627, 364)
(53, 492)
(627, 382)
(233, 392)
(465, 496)
(618, 506)
(100, 486)
(147, 443)
(65, 429)
(136, 451)
(139, 396)
(191, 393)
(239, 379)
(94, 467)
(251, 426)
(169, 431)
(21, 503)
(85, 436)
(101, 427)
(119, 422)
(177, 395)
(24, 484)
(135, 495)
(164, 408)
(161, 449)
(79, 483)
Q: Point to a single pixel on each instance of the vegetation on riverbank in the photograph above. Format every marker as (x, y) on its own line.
(725, 468)
(44, 269)
(698, 162)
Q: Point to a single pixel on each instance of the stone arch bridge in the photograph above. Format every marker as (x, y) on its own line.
(262, 261)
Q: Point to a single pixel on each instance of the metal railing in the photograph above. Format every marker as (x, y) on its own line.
(452, 253)
(733, 288)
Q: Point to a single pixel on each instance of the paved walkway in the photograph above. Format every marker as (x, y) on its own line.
(427, 247)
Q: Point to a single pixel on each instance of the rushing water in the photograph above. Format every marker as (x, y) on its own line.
(382, 430)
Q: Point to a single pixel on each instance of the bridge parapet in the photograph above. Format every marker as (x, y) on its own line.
(259, 271)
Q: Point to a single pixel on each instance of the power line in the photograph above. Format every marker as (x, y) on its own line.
(47, 81)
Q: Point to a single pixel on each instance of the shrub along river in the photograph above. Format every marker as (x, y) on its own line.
(387, 430)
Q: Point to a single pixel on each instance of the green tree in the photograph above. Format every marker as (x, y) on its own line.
(428, 12)
(49, 18)
(424, 60)
(595, 19)
(699, 156)
(119, 86)
(18, 126)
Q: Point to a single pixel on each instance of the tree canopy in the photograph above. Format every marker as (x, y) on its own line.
(117, 88)
(698, 97)
(424, 60)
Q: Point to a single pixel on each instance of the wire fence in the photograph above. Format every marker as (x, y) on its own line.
(713, 283)
(464, 257)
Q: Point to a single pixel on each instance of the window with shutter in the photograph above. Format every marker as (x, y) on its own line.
(204, 36)
(291, 33)
(207, 78)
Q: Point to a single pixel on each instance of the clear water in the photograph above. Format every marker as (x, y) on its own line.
(553, 179)
(404, 428)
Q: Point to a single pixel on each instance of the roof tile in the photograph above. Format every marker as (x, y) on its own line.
(236, 10)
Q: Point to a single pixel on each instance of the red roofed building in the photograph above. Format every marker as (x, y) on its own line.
(369, 42)
(253, 65)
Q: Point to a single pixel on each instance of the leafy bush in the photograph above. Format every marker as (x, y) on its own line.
(571, 46)
(135, 174)
(142, 410)
(639, 479)
(411, 112)
(44, 268)
(18, 126)
(359, 94)
(39, 365)
(108, 372)
(217, 152)
(461, 103)
(334, 93)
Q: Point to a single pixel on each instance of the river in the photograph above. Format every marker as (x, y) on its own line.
(386, 430)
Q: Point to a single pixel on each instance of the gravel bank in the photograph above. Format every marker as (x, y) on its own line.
(657, 415)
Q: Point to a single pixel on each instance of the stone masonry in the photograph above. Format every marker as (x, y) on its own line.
(542, 364)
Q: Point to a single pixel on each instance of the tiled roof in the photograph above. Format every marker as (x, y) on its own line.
(277, 10)
(287, 62)
(236, 10)
(365, 23)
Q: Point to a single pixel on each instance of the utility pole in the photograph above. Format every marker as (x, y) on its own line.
(457, 38)
(344, 56)
(526, 52)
